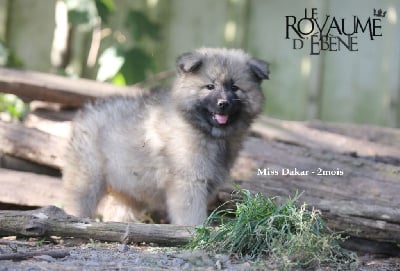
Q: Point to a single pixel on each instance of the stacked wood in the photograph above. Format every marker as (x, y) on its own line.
(349, 172)
(357, 195)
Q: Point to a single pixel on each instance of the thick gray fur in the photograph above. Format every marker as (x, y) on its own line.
(159, 150)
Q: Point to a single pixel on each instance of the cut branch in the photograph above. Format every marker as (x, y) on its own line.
(52, 221)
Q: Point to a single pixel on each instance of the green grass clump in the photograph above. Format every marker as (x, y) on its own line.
(259, 227)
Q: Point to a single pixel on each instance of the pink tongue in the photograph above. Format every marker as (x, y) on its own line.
(221, 119)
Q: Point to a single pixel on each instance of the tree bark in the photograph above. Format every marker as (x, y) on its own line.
(31, 144)
(52, 88)
(378, 143)
(29, 189)
(52, 221)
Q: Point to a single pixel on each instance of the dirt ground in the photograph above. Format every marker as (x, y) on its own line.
(81, 255)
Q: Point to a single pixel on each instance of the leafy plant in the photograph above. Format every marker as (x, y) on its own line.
(105, 8)
(122, 63)
(82, 12)
(126, 65)
(8, 58)
(259, 227)
(13, 105)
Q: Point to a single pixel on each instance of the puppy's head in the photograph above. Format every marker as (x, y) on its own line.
(218, 90)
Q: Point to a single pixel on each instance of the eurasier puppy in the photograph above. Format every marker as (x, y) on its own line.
(167, 149)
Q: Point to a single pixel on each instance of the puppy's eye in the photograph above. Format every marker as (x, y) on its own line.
(210, 86)
(234, 88)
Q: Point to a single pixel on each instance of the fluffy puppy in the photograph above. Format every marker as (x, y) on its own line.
(167, 149)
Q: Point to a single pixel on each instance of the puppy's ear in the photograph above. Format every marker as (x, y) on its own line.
(260, 68)
(188, 62)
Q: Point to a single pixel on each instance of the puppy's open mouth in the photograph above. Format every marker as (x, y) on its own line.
(220, 118)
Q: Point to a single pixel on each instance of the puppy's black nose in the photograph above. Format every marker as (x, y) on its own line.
(222, 104)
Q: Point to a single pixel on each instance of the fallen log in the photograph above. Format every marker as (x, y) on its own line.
(31, 85)
(29, 189)
(52, 221)
(31, 144)
(377, 143)
(18, 164)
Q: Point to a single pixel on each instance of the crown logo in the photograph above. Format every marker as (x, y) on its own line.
(379, 13)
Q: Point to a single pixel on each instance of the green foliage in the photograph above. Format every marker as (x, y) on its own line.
(8, 58)
(130, 64)
(124, 66)
(140, 26)
(105, 8)
(288, 235)
(110, 62)
(9, 103)
(119, 63)
(82, 12)
(137, 63)
(14, 106)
